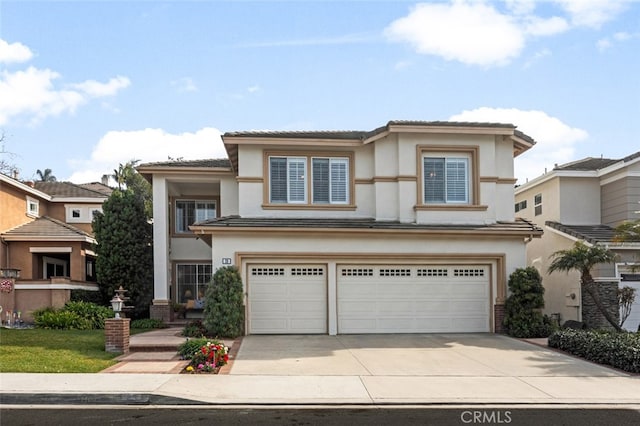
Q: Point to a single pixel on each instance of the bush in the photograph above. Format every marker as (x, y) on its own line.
(224, 307)
(194, 328)
(205, 356)
(522, 316)
(61, 320)
(620, 350)
(148, 323)
(73, 316)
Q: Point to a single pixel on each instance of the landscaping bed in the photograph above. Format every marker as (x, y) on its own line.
(619, 350)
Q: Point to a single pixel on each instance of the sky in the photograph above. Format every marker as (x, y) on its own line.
(88, 85)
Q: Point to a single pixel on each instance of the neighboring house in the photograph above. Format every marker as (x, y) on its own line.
(583, 200)
(407, 228)
(45, 232)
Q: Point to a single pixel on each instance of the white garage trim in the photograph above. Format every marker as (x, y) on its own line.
(413, 299)
(287, 299)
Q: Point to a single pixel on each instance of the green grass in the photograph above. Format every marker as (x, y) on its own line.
(54, 351)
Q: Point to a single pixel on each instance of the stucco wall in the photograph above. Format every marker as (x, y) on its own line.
(579, 200)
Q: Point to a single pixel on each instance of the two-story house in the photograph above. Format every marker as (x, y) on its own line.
(583, 200)
(406, 228)
(45, 233)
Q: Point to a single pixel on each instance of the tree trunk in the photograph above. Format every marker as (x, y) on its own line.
(588, 284)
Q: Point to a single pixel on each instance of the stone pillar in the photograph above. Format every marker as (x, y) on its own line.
(591, 316)
(160, 310)
(116, 332)
(498, 317)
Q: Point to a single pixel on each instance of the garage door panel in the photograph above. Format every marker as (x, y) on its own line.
(413, 299)
(287, 299)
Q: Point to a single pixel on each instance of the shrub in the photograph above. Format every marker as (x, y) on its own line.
(522, 316)
(78, 295)
(205, 356)
(224, 307)
(60, 320)
(94, 314)
(620, 350)
(73, 316)
(148, 323)
(194, 328)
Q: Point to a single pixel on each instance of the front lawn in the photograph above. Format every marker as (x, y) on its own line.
(53, 351)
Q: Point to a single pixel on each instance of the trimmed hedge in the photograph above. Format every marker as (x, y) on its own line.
(148, 323)
(620, 350)
(73, 316)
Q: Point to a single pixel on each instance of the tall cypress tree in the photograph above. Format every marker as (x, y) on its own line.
(125, 250)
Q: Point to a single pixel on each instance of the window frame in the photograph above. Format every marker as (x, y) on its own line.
(471, 153)
(33, 202)
(179, 292)
(195, 200)
(309, 189)
(537, 204)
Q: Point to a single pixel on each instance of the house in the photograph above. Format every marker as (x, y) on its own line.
(583, 200)
(45, 233)
(402, 229)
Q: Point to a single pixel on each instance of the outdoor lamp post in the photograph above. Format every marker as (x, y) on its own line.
(116, 305)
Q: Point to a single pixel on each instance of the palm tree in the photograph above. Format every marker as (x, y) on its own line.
(46, 176)
(583, 258)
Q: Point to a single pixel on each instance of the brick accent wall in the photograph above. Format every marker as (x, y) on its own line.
(117, 335)
(498, 315)
(591, 316)
(160, 312)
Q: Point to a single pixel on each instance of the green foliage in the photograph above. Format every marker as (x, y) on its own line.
(626, 297)
(125, 250)
(127, 177)
(224, 307)
(191, 346)
(194, 328)
(522, 316)
(628, 231)
(620, 350)
(148, 323)
(73, 316)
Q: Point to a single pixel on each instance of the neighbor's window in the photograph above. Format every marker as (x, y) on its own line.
(33, 206)
(537, 204)
(189, 212)
(192, 280)
(446, 180)
(521, 205)
(289, 180)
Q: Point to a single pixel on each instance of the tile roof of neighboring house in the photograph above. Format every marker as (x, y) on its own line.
(211, 162)
(97, 187)
(519, 226)
(593, 164)
(46, 227)
(590, 233)
(67, 190)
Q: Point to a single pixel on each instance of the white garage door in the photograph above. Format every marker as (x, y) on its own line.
(633, 321)
(287, 299)
(413, 299)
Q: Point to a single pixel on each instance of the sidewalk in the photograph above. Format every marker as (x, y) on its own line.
(151, 378)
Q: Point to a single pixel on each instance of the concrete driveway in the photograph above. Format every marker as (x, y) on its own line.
(486, 355)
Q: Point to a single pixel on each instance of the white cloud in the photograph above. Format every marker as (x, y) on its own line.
(146, 145)
(592, 13)
(14, 52)
(253, 89)
(95, 89)
(555, 140)
(477, 32)
(472, 33)
(32, 92)
(185, 84)
(536, 57)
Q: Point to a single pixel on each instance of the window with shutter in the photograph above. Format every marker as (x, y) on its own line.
(446, 180)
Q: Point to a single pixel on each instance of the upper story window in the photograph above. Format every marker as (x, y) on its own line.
(521, 205)
(446, 180)
(189, 212)
(80, 213)
(327, 183)
(537, 204)
(33, 207)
